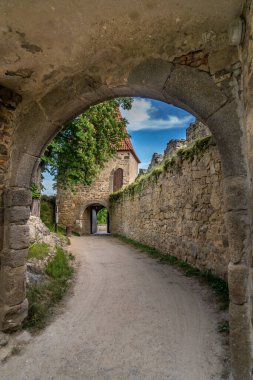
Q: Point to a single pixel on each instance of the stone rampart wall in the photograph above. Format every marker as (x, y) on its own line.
(179, 211)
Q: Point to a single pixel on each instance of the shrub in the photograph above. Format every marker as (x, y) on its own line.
(102, 216)
(38, 251)
(47, 210)
(43, 297)
(59, 266)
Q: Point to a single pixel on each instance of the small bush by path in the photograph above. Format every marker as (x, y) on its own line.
(38, 251)
(43, 297)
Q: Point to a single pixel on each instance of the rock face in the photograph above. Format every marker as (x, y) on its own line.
(196, 130)
(155, 160)
(181, 214)
(173, 146)
(39, 233)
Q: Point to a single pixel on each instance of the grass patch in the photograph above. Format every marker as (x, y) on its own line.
(38, 251)
(43, 297)
(197, 149)
(59, 266)
(47, 210)
(218, 285)
(75, 233)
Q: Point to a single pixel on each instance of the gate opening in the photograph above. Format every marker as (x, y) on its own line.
(96, 220)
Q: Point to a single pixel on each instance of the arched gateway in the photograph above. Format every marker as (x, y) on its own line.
(70, 56)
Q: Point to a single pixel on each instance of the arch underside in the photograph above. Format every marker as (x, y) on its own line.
(207, 84)
(88, 221)
(203, 98)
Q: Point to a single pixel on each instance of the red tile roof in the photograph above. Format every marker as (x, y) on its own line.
(126, 144)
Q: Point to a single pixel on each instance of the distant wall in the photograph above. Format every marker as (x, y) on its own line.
(179, 211)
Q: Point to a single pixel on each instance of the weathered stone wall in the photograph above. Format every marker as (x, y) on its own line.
(72, 206)
(180, 213)
(156, 159)
(172, 146)
(14, 212)
(196, 130)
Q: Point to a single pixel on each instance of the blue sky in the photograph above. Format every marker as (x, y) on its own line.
(151, 124)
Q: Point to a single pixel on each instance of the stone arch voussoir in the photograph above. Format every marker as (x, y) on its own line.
(183, 86)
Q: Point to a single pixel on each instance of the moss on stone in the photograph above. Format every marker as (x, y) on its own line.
(196, 150)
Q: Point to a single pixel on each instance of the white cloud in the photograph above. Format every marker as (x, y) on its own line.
(139, 118)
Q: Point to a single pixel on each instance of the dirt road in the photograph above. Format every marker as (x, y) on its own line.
(129, 317)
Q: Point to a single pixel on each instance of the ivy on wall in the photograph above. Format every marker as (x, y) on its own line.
(83, 146)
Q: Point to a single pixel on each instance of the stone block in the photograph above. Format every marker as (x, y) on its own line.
(240, 340)
(235, 193)
(152, 72)
(18, 214)
(60, 104)
(238, 281)
(237, 225)
(12, 289)
(14, 258)
(23, 166)
(202, 97)
(19, 197)
(225, 126)
(11, 317)
(18, 236)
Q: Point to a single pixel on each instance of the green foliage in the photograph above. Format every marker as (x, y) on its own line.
(38, 251)
(59, 267)
(83, 146)
(169, 163)
(102, 216)
(219, 286)
(197, 149)
(35, 191)
(47, 207)
(194, 151)
(42, 297)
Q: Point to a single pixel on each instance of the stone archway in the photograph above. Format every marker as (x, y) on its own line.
(199, 73)
(87, 216)
(204, 99)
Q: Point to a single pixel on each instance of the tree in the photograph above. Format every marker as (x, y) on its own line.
(84, 145)
(102, 216)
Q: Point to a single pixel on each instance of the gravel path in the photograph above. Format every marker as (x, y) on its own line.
(127, 317)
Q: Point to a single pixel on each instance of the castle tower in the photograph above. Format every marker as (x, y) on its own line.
(78, 210)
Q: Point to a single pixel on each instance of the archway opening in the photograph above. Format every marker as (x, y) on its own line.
(213, 104)
(95, 220)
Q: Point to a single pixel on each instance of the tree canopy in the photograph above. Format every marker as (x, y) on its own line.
(84, 145)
